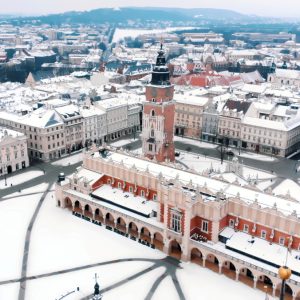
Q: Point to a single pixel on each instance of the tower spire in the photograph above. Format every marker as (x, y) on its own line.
(161, 73)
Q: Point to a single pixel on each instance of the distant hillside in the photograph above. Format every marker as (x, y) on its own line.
(211, 13)
(151, 13)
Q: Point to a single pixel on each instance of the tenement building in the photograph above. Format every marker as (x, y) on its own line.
(231, 229)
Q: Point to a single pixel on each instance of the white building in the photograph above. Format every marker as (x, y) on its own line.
(272, 129)
(13, 151)
(94, 124)
(122, 115)
(283, 77)
(44, 129)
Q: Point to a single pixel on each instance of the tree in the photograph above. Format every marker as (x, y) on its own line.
(102, 46)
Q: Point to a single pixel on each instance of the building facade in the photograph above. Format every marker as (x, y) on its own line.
(230, 118)
(13, 151)
(44, 130)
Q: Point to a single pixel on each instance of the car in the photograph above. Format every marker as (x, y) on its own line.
(177, 154)
(230, 153)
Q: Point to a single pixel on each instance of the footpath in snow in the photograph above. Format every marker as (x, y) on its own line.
(69, 160)
(20, 178)
(68, 241)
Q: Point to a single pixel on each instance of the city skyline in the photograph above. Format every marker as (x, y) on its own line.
(261, 8)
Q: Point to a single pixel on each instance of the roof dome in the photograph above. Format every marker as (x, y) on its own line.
(161, 73)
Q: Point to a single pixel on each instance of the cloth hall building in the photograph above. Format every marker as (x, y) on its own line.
(233, 230)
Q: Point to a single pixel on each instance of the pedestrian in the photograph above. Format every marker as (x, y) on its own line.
(11, 184)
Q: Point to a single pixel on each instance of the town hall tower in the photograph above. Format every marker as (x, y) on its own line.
(158, 114)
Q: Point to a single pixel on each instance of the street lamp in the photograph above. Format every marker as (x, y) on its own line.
(222, 151)
(134, 132)
(5, 170)
(97, 294)
(284, 274)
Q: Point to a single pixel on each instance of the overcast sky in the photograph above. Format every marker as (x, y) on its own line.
(285, 8)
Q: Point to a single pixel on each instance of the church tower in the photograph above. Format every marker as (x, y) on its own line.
(158, 114)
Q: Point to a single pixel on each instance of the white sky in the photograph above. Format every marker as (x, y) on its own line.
(286, 8)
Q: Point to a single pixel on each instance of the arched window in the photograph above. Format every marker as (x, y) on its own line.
(152, 113)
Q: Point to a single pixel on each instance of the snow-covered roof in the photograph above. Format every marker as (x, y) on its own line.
(264, 107)
(41, 118)
(288, 187)
(254, 88)
(68, 111)
(4, 132)
(264, 123)
(192, 100)
(291, 74)
(262, 249)
(126, 200)
(91, 111)
(90, 176)
(247, 195)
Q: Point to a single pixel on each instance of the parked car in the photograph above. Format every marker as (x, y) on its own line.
(230, 153)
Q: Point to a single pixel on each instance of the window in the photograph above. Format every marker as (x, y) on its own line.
(150, 147)
(154, 197)
(281, 241)
(231, 223)
(152, 113)
(263, 234)
(130, 189)
(246, 228)
(152, 133)
(204, 226)
(176, 221)
(142, 193)
(119, 185)
(108, 181)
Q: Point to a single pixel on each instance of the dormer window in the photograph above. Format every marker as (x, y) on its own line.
(152, 111)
